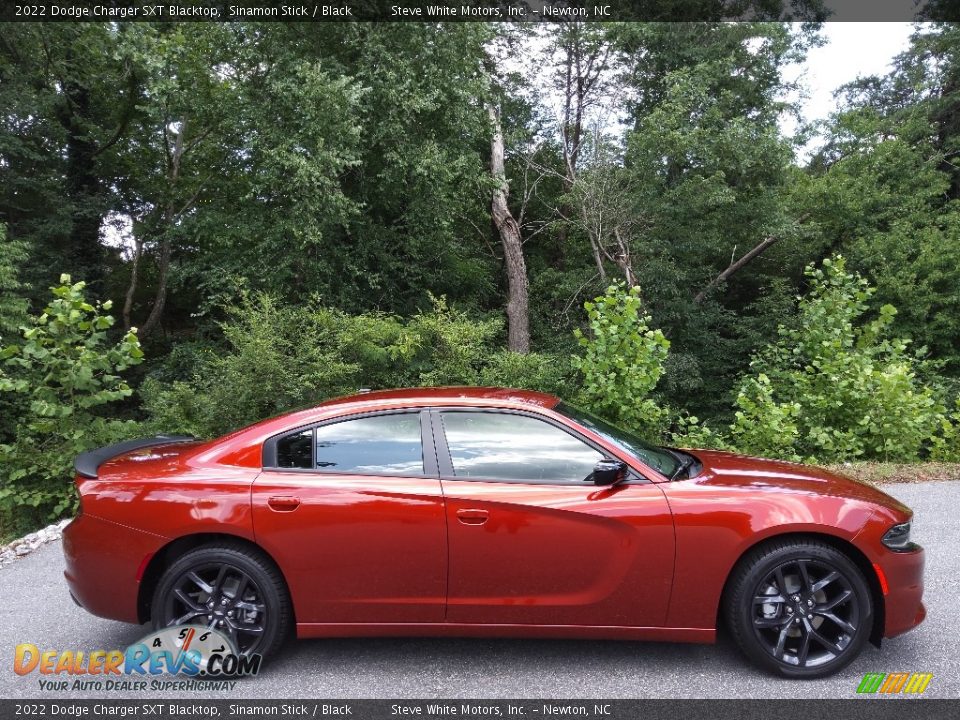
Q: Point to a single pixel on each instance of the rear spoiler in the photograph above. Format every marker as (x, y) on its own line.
(88, 463)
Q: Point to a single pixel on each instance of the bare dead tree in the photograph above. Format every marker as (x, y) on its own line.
(604, 210)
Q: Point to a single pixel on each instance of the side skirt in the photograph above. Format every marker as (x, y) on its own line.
(580, 632)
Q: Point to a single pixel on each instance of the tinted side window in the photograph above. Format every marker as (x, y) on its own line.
(296, 451)
(377, 445)
(515, 447)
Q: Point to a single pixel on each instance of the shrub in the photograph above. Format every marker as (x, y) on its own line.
(622, 361)
(63, 369)
(946, 443)
(278, 357)
(13, 306)
(835, 386)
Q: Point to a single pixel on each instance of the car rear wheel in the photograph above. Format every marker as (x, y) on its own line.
(800, 608)
(231, 588)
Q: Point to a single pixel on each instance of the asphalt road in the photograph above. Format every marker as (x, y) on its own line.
(35, 607)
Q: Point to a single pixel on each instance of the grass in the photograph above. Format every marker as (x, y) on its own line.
(878, 473)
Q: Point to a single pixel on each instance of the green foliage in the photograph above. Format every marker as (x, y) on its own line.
(885, 189)
(13, 304)
(764, 426)
(280, 357)
(316, 199)
(689, 432)
(836, 386)
(711, 176)
(946, 443)
(64, 368)
(622, 361)
(277, 358)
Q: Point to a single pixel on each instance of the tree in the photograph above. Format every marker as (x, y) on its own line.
(884, 188)
(711, 181)
(64, 368)
(518, 317)
(622, 361)
(837, 386)
(72, 92)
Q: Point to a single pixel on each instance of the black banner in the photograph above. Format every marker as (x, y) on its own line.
(855, 709)
(476, 10)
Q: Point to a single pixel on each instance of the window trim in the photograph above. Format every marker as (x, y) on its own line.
(445, 461)
(268, 458)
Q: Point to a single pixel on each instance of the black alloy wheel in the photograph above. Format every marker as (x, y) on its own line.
(228, 588)
(801, 609)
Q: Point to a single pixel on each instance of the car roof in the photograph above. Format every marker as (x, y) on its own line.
(443, 395)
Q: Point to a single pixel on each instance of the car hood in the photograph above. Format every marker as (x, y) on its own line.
(731, 469)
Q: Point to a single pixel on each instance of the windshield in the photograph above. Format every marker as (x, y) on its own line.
(660, 459)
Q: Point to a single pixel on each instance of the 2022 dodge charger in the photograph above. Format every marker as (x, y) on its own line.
(488, 512)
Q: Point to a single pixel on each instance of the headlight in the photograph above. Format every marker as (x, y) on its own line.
(897, 538)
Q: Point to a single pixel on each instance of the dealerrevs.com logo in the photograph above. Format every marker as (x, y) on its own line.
(204, 658)
(894, 683)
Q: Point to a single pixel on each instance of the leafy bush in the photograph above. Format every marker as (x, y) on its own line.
(277, 357)
(13, 307)
(687, 431)
(280, 357)
(946, 443)
(62, 369)
(622, 361)
(835, 386)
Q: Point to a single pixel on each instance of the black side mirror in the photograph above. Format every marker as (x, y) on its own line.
(608, 472)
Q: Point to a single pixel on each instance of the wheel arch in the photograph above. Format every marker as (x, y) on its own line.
(847, 548)
(169, 553)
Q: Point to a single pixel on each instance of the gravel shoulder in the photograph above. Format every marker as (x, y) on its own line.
(35, 607)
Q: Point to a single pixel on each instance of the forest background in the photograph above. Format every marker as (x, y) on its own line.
(205, 224)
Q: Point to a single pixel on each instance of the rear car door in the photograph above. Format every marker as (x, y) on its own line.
(352, 510)
(533, 543)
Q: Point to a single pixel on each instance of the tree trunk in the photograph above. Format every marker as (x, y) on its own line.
(132, 288)
(175, 156)
(518, 315)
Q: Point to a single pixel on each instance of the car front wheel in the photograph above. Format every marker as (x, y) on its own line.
(799, 608)
(231, 588)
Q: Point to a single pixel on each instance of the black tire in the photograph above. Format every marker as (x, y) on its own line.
(800, 608)
(263, 601)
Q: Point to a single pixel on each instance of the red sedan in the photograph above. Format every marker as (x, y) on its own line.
(488, 512)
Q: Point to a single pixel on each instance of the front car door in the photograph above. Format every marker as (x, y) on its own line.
(533, 543)
(352, 509)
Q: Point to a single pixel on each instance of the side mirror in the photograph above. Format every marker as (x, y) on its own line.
(608, 472)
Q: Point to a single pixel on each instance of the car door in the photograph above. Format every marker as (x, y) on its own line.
(533, 543)
(352, 510)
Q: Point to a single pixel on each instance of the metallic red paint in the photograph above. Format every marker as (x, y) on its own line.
(440, 556)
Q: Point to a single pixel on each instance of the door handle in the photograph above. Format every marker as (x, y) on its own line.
(472, 517)
(283, 503)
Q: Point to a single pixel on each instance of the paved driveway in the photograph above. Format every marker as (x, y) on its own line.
(35, 607)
